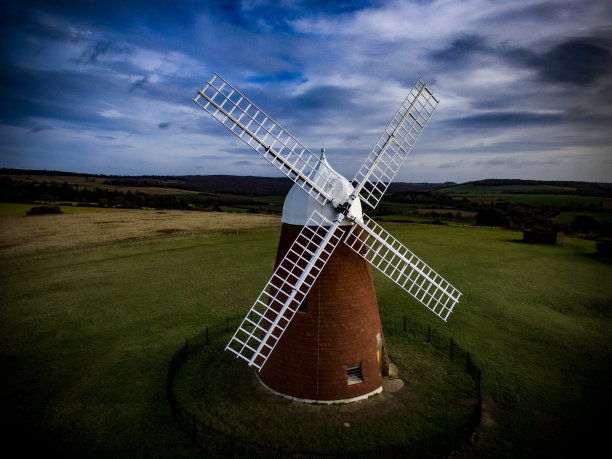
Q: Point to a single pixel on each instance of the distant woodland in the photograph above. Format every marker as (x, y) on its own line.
(580, 208)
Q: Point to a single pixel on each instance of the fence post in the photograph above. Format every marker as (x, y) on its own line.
(479, 389)
(451, 348)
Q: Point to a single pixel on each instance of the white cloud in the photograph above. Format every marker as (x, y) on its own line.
(127, 81)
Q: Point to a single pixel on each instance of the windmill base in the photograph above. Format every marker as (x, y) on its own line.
(322, 402)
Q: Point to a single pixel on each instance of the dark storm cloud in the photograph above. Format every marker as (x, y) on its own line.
(116, 12)
(58, 98)
(93, 51)
(324, 98)
(578, 61)
(55, 99)
(545, 11)
(138, 84)
(315, 107)
(517, 163)
(21, 19)
(460, 51)
(504, 120)
(36, 129)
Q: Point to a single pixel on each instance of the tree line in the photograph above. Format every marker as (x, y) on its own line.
(30, 192)
(53, 192)
(506, 214)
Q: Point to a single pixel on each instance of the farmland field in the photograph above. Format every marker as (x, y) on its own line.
(535, 199)
(92, 313)
(543, 194)
(83, 226)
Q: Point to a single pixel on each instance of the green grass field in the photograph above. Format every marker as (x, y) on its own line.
(535, 199)
(86, 335)
(524, 194)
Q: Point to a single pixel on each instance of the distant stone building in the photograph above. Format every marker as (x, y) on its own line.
(543, 237)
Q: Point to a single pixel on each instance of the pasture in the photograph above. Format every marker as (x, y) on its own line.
(88, 327)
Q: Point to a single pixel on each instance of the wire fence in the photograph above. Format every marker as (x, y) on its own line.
(221, 444)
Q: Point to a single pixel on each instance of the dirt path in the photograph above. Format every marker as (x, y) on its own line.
(26, 234)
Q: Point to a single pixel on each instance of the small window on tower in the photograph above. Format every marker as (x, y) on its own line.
(354, 374)
(303, 306)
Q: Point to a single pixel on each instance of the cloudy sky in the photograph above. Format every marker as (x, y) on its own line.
(106, 86)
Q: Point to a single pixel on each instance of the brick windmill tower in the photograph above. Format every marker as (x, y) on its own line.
(314, 333)
(317, 359)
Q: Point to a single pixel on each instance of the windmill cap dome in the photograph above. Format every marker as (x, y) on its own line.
(299, 205)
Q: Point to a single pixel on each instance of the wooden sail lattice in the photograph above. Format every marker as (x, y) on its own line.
(251, 124)
(399, 264)
(382, 164)
(276, 305)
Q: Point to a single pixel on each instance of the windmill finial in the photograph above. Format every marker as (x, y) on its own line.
(323, 154)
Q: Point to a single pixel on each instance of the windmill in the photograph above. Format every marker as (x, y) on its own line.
(314, 333)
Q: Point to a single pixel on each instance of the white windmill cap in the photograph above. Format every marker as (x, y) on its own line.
(299, 205)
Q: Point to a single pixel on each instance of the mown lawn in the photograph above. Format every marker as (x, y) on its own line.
(86, 336)
(220, 391)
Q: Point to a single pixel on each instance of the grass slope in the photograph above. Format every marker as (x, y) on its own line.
(86, 339)
(86, 335)
(537, 318)
(222, 392)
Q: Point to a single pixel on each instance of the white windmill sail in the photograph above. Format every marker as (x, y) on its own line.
(270, 315)
(370, 240)
(248, 122)
(380, 167)
(276, 305)
(399, 264)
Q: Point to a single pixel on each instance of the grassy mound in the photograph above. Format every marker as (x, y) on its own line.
(222, 392)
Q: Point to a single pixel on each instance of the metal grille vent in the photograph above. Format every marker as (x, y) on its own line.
(354, 373)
